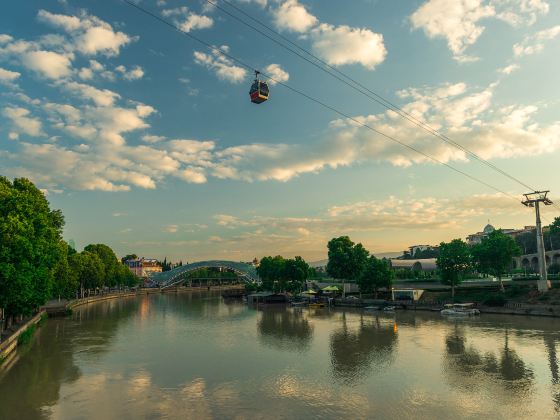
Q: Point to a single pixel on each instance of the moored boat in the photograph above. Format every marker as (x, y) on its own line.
(459, 309)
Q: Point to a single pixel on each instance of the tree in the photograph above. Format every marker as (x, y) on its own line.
(129, 257)
(65, 279)
(272, 272)
(296, 271)
(494, 255)
(30, 234)
(376, 274)
(554, 234)
(346, 259)
(109, 260)
(527, 242)
(453, 262)
(93, 271)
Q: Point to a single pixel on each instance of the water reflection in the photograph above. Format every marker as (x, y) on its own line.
(49, 363)
(193, 356)
(355, 353)
(284, 328)
(550, 344)
(469, 368)
(32, 386)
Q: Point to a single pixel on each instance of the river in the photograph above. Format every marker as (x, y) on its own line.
(191, 355)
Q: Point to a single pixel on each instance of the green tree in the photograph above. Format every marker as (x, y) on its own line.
(554, 234)
(110, 263)
(129, 257)
(93, 270)
(65, 279)
(494, 255)
(125, 277)
(88, 269)
(296, 271)
(376, 274)
(272, 272)
(346, 259)
(527, 242)
(30, 234)
(453, 262)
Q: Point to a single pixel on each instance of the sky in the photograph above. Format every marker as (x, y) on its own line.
(148, 142)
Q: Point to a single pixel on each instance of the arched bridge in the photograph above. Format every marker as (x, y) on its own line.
(177, 275)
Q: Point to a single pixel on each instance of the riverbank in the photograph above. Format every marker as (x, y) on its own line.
(8, 355)
(8, 346)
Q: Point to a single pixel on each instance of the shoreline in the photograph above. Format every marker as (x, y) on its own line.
(9, 346)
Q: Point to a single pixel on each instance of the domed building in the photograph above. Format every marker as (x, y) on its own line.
(488, 229)
(476, 238)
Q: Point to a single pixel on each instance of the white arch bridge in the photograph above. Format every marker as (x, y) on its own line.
(245, 271)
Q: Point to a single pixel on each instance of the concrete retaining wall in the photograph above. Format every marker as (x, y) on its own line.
(8, 346)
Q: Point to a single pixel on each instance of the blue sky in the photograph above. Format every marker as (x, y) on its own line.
(148, 141)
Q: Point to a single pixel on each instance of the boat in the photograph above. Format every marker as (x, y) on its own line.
(459, 309)
(371, 308)
(389, 309)
(299, 303)
(317, 305)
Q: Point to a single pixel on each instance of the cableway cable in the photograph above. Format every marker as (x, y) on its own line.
(359, 87)
(317, 101)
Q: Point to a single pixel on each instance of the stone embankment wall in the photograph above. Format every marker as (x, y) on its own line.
(7, 347)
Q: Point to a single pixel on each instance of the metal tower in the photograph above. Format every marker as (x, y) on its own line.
(532, 200)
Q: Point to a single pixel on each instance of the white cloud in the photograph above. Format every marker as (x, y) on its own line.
(95, 69)
(188, 21)
(224, 68)
(292, 16)
(337, 45)
(460, 22)
(276, 72)
(148, 138)
(194, 21)
(342, 45)
(535, 43)
(171, 228)
(193, 175)
(509, 69)
(48, 64)
(455, 20)
(23, 122)
(101, 97)
(134, 73)
(8, 75)
(68, 23)
(519, 12)
(90, 34)
(5, 38)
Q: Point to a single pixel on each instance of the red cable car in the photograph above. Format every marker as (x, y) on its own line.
(259, 90)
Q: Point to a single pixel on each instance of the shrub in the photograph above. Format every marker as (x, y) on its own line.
(25, 337)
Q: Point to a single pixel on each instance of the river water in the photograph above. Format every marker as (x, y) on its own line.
(191, 355)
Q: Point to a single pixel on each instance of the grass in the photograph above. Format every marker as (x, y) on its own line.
(25, 337)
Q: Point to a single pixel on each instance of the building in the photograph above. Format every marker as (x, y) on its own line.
(423, 264)
(420, 252)
(414, 248)
(141, 267)
(476, 238)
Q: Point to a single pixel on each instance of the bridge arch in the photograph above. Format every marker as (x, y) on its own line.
(176, 276)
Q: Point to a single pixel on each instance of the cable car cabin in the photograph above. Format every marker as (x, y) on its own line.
(259, 92)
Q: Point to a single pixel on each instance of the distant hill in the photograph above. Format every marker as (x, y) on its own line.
(316, 264)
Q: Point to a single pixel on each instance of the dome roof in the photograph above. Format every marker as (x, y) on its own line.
(488, 229)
